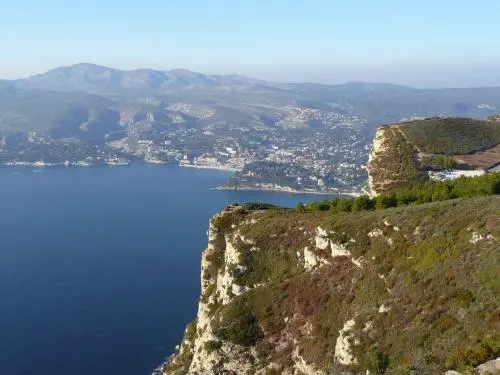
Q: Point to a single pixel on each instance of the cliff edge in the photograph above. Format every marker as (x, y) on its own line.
(411, 290)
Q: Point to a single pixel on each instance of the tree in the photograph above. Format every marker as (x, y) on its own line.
(362, 203)
(344, 205)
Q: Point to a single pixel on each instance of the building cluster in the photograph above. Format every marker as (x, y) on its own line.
(329, 147)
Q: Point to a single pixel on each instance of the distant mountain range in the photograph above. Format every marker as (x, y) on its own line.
(67, 97)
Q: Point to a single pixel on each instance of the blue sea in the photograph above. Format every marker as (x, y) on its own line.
(100, 267)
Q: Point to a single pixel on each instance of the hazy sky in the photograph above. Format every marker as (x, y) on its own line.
(423, 43)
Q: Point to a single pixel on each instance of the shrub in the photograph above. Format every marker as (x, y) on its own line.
(212, 345)
(432, 191)
(375, 361)
(362, 203)
(344, 205)
(238, 324)
(386, 201)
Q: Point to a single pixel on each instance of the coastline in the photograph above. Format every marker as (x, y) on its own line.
(60, 165)
(40, 166)
(220, 168)
(287, 190)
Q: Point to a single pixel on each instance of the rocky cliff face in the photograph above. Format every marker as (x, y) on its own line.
(394, 162)
(412, 290)
(403, 154)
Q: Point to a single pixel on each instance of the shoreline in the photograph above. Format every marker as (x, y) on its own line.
(284, 190)
(60, 165)
(219, 168)
(40, 167)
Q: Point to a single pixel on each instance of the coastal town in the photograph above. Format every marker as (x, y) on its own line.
(307, 150)
(328, 156)
(301, 150)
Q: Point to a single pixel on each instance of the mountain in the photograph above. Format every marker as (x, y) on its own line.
(100, 79)
(95, 78)
(236, 98)
(38, 110)
(404, 154)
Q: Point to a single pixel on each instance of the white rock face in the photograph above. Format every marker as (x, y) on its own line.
(225, 290)
(322, 242)
(476, 237)
(375, 233)
(383, 309)
(321, 232)
(225, 280)
(339, 250)
(379, 147)
(248, 241)
(490, 367)
(357, 262)
(343, 353)
(321, 239)
(310, 259)
(301, 365)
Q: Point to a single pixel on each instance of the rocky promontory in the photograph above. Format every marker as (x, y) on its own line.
(411, 290)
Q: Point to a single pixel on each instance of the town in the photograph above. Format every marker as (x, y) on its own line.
(310, 150)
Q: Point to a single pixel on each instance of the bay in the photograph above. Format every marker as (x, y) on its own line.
(100, 267)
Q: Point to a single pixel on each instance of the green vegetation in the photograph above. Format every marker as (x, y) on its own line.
(431, 191)
(376, 361)
(439, 163)
(225, 221)
(238, 324)
(190, 334)
(212, 345)
(451, 136)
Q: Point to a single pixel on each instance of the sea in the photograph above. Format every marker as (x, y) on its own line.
(100, 266)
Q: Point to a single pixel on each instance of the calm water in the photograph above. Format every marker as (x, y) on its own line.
(99, 267)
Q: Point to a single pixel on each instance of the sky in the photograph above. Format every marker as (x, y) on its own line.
(421, 43)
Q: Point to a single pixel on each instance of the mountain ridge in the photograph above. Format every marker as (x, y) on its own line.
(375, 102)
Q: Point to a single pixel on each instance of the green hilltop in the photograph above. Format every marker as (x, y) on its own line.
(451, 136)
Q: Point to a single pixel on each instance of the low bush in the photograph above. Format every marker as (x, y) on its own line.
(238, 324)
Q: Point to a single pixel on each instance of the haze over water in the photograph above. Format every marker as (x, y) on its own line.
(99, 267)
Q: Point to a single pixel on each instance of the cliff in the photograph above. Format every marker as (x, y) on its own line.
(410, 290)
(403, 154)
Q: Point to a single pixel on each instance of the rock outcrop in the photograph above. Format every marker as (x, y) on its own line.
(393, 162)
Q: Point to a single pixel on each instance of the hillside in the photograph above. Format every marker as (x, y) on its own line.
(403, 154)
(412, 290)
